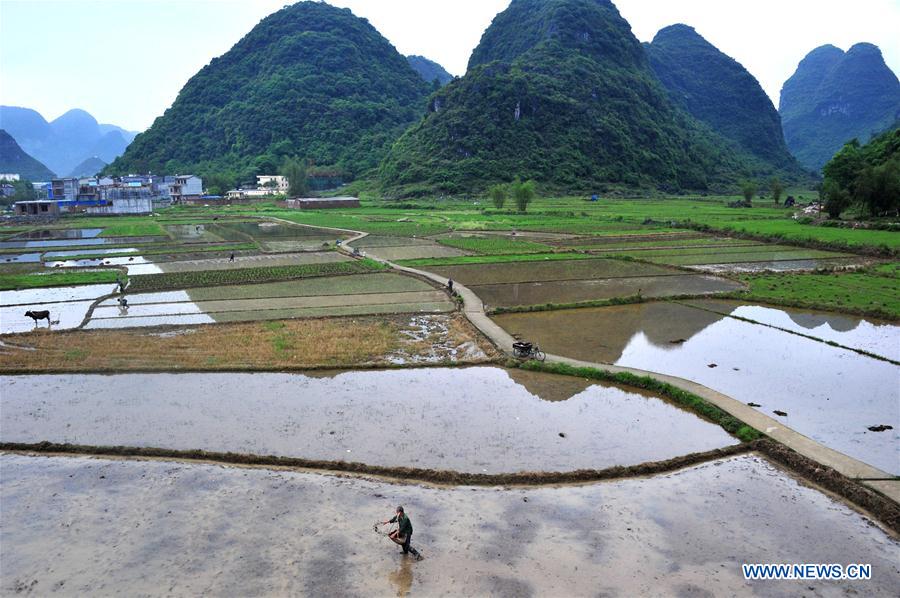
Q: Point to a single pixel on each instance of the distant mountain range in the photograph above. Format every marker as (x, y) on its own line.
(560, 91)
(429, 70)
(718, 91)
(65, 142)
(89, 167)
(13, 160)
(835, 96)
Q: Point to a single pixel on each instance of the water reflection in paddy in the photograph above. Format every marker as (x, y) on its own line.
(476, 419)
(830, 394)
(94, 524)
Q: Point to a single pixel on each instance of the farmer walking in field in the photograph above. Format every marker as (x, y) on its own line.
(403, 534)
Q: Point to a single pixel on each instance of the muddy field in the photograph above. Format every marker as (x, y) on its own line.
(573, 291)
(382, 293)
(550, 270)
(473, 420)
(367, 341)
(91, 526)
(571, 281)
(828, 393)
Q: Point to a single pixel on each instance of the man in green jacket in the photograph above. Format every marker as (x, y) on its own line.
(403, 534)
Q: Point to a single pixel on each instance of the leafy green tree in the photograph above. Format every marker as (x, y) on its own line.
(834, 198)
(497, 193)
(845, 166)
(878, 188)
(522, 193)
(777, 189)
(218, 183)
(748, 190)
(295, 171)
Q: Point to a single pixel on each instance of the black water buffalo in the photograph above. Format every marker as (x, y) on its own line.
(38, 315)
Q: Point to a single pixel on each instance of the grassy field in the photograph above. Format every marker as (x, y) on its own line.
(133, 229)
(33, 280)
(275, 345)
(867, 293)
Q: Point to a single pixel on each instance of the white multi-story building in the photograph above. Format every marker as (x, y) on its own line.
(276, 184)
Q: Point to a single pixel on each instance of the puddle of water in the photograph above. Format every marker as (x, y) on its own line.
(51, 294)
(780, 266)
(831, 395)
(193, 232)
(53, 254)
(143, 268)
(122, 320)
(58, 233)
(100, 261)
(55, 243)
(867, 334)
(86, 525)
(20, 258)
(572, 291)
(394, 418)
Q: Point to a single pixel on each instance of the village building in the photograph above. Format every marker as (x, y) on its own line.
(322, 203)
(38, 207)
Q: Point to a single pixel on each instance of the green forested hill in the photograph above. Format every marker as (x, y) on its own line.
(559, 91)
(310, 80)
(429, 70)
(834, 97)
(719, 91)
(14, 160)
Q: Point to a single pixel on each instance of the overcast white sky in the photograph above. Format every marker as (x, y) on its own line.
(125, 60)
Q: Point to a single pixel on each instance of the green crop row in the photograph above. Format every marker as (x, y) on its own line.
(495, 245)
(183, 280)
(35, 280)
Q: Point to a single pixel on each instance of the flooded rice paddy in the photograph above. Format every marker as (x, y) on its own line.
(404, 248)
(80, 526)
(865, 334)
(573, 291)
(479, 419)
(71, 237)
(277, 236)
(829, 393)
(67, 306)
(570, 281)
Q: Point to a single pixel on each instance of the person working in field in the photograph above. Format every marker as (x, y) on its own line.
(403, 534)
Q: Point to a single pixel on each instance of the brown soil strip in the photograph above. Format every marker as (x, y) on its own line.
(285, 345)
(879, 507)
(405, 474)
